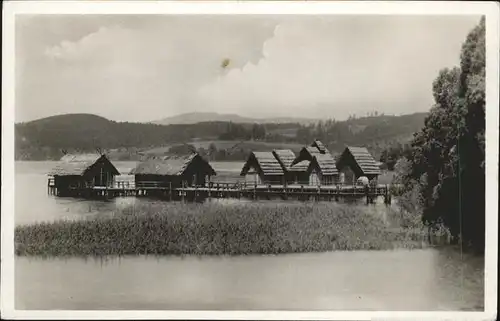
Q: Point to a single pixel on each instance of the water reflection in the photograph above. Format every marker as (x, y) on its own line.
(33, 204)
(375, 280)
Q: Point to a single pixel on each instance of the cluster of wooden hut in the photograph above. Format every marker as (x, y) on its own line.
(96, 171)
(314, 165)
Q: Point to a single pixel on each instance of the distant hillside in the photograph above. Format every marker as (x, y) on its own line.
(197, 117)
(374, 132)
(44, 139)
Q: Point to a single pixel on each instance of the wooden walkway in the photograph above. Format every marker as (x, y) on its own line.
(226, 190)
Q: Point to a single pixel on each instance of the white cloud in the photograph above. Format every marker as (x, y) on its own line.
(139, 73)
(147, 68)
(382, 65)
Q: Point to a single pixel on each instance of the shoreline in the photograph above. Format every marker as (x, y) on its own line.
(181, 257)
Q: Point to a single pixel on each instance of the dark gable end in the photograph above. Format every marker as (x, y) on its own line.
(106, 165)
(320, 147)
(306, 153)
(199, 163)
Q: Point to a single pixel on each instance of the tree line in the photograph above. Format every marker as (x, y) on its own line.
(212, 153)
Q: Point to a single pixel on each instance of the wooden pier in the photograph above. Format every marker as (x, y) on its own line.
(295, 192)
(226, 190)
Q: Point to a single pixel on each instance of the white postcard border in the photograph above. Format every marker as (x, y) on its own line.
(10, 9)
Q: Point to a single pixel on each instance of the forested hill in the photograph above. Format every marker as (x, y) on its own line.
(45, 138)
(376, 131)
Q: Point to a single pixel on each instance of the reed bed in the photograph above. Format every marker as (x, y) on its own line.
(217, 229)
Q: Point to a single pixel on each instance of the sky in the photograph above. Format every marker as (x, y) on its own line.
(147, 67)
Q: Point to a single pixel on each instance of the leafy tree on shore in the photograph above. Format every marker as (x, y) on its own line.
(448, 153)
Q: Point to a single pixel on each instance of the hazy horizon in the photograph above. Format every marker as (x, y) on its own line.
(222, 114)
(144, 68)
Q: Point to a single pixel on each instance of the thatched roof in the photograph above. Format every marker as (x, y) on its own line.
(169, 165)
(363, 159)
(312, 150)
(326, 164)
(285, 157)
(319, 146)
(306, 153)
(300, 166)
(78, 164)
(264, 162)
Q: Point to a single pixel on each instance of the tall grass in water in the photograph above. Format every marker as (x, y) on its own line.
(216, 229)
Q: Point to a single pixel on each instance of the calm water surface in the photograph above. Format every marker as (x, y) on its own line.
(429, 279)
(32, 204)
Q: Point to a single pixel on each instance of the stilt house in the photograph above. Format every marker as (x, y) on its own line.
(263, 168)
(356, 162)
(76, 171)
(319, 165)
(173, 171)
(322, 170)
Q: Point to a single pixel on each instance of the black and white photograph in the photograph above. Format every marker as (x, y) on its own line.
(314, 159)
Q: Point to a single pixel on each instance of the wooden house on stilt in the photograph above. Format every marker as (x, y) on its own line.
(80, 171)
(315, 165)
(263, 168)
(173, 171)
(356, 162)
(322, 170)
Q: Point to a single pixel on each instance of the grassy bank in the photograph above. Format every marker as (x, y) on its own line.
(216, 229)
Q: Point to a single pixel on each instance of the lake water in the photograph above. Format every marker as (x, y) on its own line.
(429, 279)
(31, 179)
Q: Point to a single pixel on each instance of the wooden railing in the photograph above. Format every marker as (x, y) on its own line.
(128, 184)
(152, 184)
(222, 185)
(242, 186)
